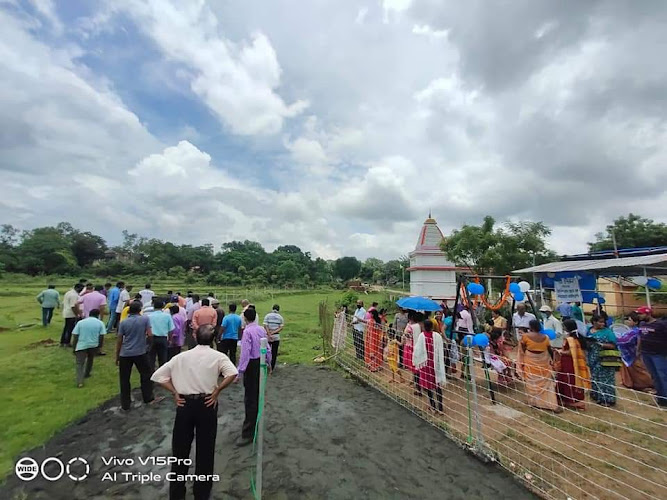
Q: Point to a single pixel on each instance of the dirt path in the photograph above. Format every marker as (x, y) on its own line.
(326, 437)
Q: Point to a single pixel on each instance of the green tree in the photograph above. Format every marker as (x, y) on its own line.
(45, 250)
(347, 268)
(486, 249)
(632, 231)
(87, 247)
(370, 267)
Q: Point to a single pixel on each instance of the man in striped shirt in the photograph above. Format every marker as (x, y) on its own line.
(274, 323)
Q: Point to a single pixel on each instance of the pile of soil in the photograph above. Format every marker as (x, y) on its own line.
(326, 437)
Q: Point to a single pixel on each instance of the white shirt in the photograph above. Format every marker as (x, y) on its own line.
(522, 321)
(195, 371)
(122, 298)
(552, 323)
(358, 320)
(465, 322)
(146, 296)
(69, 301)
(273, 321)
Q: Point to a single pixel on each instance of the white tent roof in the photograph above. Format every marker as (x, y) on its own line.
(627, 266)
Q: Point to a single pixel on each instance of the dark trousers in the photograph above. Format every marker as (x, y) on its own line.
(438, 394)
(228, 347)
(656, 364)
(125, 371)
(159, 348)
(47, 314)
(358, 338)
(173, 351)
(68, 328)
(274, 353)
(194, 419)
(251, 399)
(190, 341)
(84, 363)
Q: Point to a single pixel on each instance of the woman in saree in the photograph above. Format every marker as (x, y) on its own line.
(634, 374)
(572, 374)
(373, 342)
(603, 361)
(429, 359)
(410, 335)
(534, 366)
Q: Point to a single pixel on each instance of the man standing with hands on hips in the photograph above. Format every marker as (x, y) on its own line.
(192, 377)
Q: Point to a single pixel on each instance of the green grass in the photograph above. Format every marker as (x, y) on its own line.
(38, 392)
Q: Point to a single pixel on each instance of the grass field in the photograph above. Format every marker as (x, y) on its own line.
(39, 393)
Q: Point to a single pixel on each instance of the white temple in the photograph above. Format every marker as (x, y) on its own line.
(431, 274)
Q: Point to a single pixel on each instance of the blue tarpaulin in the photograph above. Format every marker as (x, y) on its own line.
(586, 283)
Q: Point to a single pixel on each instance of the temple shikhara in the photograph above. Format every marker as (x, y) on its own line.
(431, 274)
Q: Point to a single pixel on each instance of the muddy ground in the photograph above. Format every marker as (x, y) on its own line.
(326, 437)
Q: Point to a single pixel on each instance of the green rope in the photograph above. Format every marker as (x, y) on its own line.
(263, 372)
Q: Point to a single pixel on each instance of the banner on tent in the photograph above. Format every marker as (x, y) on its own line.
(567, 290)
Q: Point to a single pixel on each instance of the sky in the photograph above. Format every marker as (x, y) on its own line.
(334, 125)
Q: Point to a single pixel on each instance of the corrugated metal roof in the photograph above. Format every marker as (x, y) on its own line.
(624, 264)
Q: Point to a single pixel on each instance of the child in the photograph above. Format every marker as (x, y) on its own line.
(392, 356)
(497, 359)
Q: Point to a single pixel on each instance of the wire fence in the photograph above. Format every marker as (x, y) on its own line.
(588, 452)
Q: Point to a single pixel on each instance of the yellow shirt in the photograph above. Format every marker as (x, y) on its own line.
(125, 313)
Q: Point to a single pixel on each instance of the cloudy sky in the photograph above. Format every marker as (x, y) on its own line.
(333, 125)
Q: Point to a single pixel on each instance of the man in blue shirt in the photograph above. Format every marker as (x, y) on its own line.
(49, 299)
(162, 326)
(113, 297)
(565, 310)
(131, 350)
(229, 333)
(86, 338)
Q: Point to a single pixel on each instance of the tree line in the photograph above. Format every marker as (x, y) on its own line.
(65, 250)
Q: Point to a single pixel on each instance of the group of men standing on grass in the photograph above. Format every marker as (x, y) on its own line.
(152, 331)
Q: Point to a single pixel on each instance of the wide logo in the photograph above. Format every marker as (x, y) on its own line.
(52, 469)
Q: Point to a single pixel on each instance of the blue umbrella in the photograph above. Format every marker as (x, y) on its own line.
(418, 304)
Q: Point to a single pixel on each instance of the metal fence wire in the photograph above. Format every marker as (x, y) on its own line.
(599, 453)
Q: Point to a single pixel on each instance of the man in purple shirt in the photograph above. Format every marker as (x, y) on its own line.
(178, 337)
(249, 369)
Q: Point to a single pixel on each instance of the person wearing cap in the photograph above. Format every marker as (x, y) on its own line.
(192, 377)
(552, 323)
(653, 349)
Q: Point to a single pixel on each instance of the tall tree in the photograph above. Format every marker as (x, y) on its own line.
(87, 247)
(632, 231)
(45, 250)
(370, 267)
(485, 248)
(347, 268)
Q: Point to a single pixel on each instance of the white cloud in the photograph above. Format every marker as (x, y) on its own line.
(47, 10)
(426, 30)
(237, 81)
(539, 114)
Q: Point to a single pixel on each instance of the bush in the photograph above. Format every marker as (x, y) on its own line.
(349, 298)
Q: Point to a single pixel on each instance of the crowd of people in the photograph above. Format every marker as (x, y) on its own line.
(185, 344)
(557, 370)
